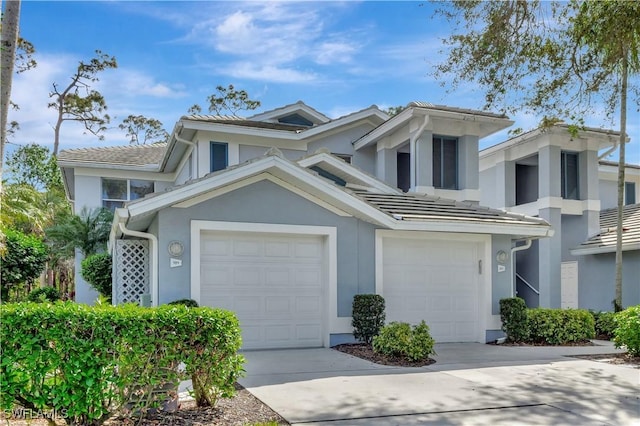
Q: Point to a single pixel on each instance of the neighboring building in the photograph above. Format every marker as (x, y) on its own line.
(551, 175)
(285, 216)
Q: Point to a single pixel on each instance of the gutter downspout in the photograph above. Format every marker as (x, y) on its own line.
(412, 149)
(610, 150)
(153, 267)
(525, 246)
(195, 151)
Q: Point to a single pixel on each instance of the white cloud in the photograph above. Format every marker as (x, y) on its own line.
(270, 73)
(335, 52)
(132, 83)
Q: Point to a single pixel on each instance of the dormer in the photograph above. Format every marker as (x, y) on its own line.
(432, 149)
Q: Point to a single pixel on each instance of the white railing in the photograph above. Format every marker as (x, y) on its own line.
(527, 283)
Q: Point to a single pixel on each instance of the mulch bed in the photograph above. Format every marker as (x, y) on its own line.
(365, 351)
(619, 359)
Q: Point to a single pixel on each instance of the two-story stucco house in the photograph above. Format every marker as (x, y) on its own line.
(284, 216)
(547, 173)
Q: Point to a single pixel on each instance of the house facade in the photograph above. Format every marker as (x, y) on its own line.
(550, 174)
(284, 216)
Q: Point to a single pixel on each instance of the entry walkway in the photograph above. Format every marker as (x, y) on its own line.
(470, 383)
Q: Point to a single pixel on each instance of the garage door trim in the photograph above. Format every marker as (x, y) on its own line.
(484, 255)
(330, 290)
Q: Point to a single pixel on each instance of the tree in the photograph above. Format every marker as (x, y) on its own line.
(96, 270)
(394, 110)
(87, 231)
(560, 60)
(34, 165)
(22, 262)
(10, 22)
(141, 129)
(227, 100)
(78, 102)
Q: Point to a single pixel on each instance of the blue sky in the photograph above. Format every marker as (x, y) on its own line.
(337, 57)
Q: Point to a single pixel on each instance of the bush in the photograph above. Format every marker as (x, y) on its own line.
(560, 326)
(189, 303)
(401, 340)
(368, 316)
(44, 294)
(23, 260)
(513, 313)
(605, 324)
(627, 332)
(93, 362)
(96, 269)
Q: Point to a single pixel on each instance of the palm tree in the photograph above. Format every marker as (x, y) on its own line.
(87, 231)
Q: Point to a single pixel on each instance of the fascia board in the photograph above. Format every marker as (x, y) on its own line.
(475, 228)
(240, 130)
(384, 129)
(103, 165)
(603, 249)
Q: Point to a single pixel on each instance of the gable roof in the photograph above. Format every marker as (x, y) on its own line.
(390, 210)
(144, 157)
(605, 240)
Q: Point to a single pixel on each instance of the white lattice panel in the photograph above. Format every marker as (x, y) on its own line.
(131, 270)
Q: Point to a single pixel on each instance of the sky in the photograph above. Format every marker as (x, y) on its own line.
(337, 57)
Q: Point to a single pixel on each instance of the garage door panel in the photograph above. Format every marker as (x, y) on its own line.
(434, 281)
(274, 283)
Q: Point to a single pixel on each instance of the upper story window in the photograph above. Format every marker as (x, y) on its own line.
(629, 193)
(445, 162)
(219, 156)
(569, 176)
(115, 192)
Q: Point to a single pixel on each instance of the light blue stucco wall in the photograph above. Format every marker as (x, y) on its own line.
(249, 152)
(266, 202)
(596, 275)
(342, 142)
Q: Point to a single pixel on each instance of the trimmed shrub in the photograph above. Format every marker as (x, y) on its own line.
(605, 324)
(22, 261)
(189, 303)
(513, 313)
(368, 316)
(44, 294)
(96, 269)
(560, 326)
(401, 340)
(91, 363)
(627, 332)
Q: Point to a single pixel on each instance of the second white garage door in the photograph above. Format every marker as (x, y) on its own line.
(273, 282)
(433, 280)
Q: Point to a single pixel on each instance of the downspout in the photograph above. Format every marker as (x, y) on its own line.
(525, 246)
(412, 149)
(153, 267)
(195, 151)
(610, 150)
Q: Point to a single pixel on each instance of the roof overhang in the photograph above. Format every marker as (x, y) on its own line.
(583, 251)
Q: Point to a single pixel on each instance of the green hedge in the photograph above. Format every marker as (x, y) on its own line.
(560, 326)
(44, 294)
(96, 270)
(91, 363)
(402, 340)
(513, 313)
(367, 316)
(605, 324)
(627, 332)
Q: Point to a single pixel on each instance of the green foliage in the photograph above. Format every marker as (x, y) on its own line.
(190, 303)
(142, 130)
(394, 110)
(44, 294)
(96, 270)
(95, 362)
(605, 323)
(401, 340)
(627, 332)
(368, 316)
(87, 231)
(560, 326)
(22, 261)
(227, 100)
(513, 314)
(34, 165)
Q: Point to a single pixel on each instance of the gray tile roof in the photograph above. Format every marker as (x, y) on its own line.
(607, 236)
(238, 121)
(145, 156)
(420, 104)
(414, 207)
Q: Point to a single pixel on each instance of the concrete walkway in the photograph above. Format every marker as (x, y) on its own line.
(470, 384)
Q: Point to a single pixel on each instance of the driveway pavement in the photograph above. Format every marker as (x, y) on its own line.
(470, 384)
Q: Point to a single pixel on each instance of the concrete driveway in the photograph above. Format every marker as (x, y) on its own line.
(470, 384)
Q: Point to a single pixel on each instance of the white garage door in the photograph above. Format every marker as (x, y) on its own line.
(436, 281)
(273, 283)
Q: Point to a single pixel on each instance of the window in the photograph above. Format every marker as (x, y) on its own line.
(219, 156)
(344, 157)
(445, 162)
(629, 193)
(116, 191)
(569, 176)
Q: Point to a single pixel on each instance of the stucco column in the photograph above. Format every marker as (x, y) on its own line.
(421, 160)
(468, 162)
(387, 166)
(549, 171)
(550, 255)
